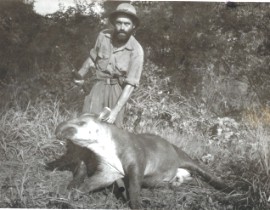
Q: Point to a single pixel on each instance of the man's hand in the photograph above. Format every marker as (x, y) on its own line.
(78, 79)
(128, 89)
(78, 82)
(104, 114)
(112, 117)
(108, 115)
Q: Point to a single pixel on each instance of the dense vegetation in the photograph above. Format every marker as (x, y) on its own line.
(205, 87)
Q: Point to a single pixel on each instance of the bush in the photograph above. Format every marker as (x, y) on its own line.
(211, 52)
(204, 87)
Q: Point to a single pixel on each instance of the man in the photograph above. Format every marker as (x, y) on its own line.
(117, 58)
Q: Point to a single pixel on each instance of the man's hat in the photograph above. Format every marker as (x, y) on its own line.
(127, 9)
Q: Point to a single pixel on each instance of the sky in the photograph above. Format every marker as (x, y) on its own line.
(44, 7)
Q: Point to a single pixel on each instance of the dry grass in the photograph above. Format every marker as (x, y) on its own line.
(257, 117)
(27, 142)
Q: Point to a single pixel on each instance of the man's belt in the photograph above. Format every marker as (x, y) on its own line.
(109, 81)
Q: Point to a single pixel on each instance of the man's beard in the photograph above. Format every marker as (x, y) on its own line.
(122, 36)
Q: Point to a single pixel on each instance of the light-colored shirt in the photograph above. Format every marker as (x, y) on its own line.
(126, 61)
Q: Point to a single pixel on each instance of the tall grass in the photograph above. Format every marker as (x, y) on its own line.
(27, 141)
(237, 151)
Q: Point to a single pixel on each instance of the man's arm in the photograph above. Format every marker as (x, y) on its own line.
(88, 63)
(127, 91)
(132, 81)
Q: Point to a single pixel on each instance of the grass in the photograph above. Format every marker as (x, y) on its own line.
(27, 142)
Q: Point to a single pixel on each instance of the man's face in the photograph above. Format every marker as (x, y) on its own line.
(123, 28)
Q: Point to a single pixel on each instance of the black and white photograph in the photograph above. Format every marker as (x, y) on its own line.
(135, 104)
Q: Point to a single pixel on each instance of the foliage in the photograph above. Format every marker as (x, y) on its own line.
(157, 104)
(218, 54)
(48, 72)
(205, 87)
(18, 26)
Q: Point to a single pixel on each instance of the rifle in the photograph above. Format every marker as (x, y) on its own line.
(75, 74)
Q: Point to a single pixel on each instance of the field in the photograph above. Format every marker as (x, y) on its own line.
(238, 154)
(205, 87)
